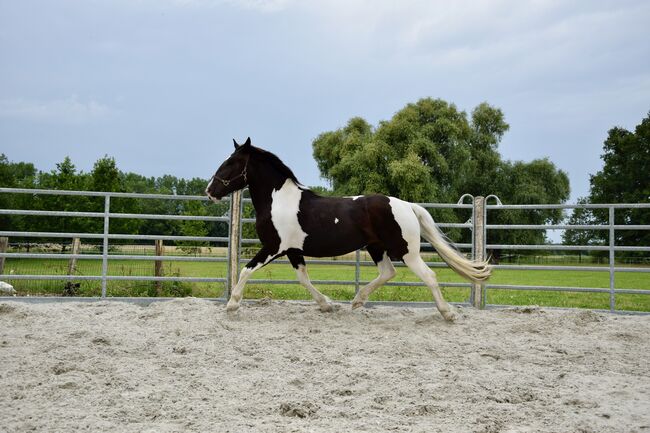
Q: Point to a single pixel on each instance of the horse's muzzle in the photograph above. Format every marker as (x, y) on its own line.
(214, 199)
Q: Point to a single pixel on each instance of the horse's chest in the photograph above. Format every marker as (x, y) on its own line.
(285, 206)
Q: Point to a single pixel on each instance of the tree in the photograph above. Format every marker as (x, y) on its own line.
(581, 216)
(624, 179)
(64, 177)
(105, 176)
(193, 228)
(430, 151)
(15, 175)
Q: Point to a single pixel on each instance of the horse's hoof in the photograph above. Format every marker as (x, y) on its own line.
(327, 308)
(357, 304)
(231, 307)
(449, 316)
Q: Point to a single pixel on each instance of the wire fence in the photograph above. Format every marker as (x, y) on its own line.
(107, 264)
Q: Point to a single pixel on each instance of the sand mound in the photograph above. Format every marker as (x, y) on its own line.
(185, 365)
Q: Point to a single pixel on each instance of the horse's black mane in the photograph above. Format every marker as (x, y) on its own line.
(276, 162)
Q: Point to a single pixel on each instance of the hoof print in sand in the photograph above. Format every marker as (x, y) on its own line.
(299, 410)
(421, 410)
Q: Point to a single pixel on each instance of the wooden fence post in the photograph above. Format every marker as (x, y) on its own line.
(233, 243)
(158, 264)
(478, 230)
(4, 243)
(76, 247)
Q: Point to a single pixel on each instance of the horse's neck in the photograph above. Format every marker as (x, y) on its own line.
(261, 198)
(261, 192)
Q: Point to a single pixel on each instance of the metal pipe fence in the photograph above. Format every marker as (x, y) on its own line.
(106, 236)
(478, 247)
(611, 227)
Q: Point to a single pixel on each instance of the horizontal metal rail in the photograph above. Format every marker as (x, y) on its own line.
(109, 194)
(555, 247)
(112, 236)
(604, 268)
(567, 289)
(112, 215)
(564, 227)
(352, 282)
(112, 257)
(52, 213)
(9, 277)
(568, 206)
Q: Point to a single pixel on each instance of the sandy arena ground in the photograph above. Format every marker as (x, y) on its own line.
(185, 365)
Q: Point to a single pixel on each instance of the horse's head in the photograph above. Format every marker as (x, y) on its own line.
(232, 174)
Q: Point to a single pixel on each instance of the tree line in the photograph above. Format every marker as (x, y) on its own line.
(105, 176)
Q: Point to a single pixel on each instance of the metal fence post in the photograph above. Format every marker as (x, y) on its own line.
(234, 238)
(107, 206)
(477, 296)
(612, 241)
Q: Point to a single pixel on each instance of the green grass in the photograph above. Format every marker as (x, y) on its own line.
(624, 280)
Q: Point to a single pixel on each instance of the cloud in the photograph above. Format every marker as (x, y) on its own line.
(66, 111)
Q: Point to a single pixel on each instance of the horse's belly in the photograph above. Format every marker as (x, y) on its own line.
(331, 243)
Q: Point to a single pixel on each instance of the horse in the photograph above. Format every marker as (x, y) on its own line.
(294, 221)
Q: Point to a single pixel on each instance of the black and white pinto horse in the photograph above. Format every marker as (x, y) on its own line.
(291, 220)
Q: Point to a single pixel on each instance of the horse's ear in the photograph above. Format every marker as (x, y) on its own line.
(248, 142)
(235, 143)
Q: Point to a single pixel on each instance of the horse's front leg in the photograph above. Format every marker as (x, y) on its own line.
(261, 258)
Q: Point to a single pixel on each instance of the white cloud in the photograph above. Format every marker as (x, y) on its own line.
(68, 111)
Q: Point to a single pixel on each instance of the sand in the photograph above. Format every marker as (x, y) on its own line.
(185, 365)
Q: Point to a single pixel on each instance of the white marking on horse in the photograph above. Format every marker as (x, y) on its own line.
(336, 220)
(353, 197)
(408, 222)
(285, 206)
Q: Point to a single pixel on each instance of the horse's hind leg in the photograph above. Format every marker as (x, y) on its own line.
(420, 268)
(298, 262)
(386, 272)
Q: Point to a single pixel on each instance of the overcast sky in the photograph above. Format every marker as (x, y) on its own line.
(164, 85)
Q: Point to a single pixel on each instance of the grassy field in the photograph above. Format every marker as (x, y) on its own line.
(624, 280)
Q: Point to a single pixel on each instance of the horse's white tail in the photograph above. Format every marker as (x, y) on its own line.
(473, 270)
